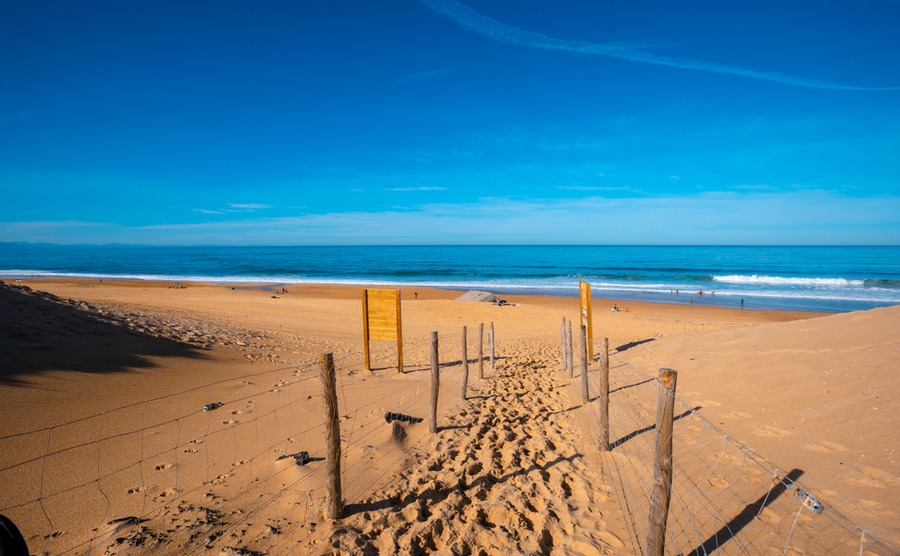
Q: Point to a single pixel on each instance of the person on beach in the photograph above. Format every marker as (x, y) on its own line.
(416, 294)
(742, 304)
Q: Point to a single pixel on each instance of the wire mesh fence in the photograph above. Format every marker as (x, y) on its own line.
(725, 498)
(236, 463)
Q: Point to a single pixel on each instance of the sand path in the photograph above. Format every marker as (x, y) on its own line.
(506, 475)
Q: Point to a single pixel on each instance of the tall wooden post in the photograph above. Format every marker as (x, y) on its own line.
(480, 351)
(562, 335)
(571, 353)
(661, 490)
(435, 382)
(465, 364)
(583, 352)
(492, 346)
(365, 316)
(334, 503)
(603, 395)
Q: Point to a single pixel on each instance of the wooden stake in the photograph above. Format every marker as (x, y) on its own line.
(365, 315)
(492, 346)
(435, 382)
(603, 395)
(465, 364)
(583, 353)
(661, 492)
(571, 353)
(480, 351)
(562, 335)
(334, 503)
(399, 337)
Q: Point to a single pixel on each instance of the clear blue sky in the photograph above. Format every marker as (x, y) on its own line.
(435, 121)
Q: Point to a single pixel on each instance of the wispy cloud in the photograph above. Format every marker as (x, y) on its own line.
(248, 206)
(675, 177)
(409, 77)
(204, 211)
(592, 188)
(415, 189)
(471, 20)
(723, 217)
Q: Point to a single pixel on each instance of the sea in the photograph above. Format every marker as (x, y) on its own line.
(824, 279)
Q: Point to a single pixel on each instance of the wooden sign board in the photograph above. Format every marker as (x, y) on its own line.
(584, 291)
(381, 320)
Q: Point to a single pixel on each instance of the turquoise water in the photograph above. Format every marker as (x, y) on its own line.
(831, 279)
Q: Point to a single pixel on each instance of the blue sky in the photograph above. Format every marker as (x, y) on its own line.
(435, 121)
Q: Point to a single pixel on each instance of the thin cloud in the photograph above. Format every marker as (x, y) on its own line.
(248, 206)
(675, 177)
(204, 211)
(415, 189)
(469, 19)
(592, 188)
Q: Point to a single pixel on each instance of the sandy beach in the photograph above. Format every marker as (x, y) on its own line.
(140, 418)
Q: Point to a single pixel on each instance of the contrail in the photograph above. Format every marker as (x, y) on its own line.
(469, 19)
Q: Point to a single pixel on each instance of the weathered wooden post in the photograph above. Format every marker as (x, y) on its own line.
(435, 382)
(603, 395)
(492, 346)
(583, 352)
(562, 335)
(334, 503)
(571, 353)
(480, 351)
(661, 490)
(465, 364)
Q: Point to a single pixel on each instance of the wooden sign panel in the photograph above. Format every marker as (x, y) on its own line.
(381, 320)
(584, 290)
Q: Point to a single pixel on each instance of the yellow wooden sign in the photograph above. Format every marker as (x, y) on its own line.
(381, 321)
(584, 290)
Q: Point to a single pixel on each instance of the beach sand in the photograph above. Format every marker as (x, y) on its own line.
(514, 469)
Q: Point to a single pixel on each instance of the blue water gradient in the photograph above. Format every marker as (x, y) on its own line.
(828, 279)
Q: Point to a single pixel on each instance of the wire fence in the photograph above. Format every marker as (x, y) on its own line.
(236, 463)
(725, 498)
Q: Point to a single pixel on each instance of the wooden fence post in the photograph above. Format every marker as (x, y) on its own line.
(480, 351)
(465, 364)
(603, 395)
(562, 335)
(492, 346)
(583, 349)
(334, 503)
(435, 382)
(571, 353)
(661, 492)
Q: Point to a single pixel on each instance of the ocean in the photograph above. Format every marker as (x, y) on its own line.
(826, 279)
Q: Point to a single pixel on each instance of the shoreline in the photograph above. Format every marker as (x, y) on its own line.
(408, 293)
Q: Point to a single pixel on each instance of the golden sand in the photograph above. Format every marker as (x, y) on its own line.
(513, 470)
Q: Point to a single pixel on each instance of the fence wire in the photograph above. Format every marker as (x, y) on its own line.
(725, 498)
(237, 463)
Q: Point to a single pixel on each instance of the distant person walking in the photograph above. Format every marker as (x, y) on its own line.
(742, 304)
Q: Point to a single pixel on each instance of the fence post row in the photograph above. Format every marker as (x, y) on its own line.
(480, 351)
(583, 355)
(465, 364)
(334, 504)
(661, 491)
(562, 335)
(603, 395)
(492, 346)
(435, 382)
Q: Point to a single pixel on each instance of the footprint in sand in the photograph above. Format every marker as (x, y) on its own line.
(717, 481)
(190, 451)
(136, 490)
(228, 422)
(823, 447)
(237, 412)
(771, 432)
(870, 477)
(768, 516)
(737, 415)
(163, 466)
